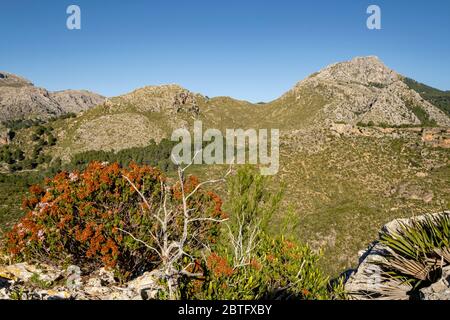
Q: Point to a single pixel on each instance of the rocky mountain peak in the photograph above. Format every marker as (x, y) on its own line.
(365, 70)
(169, 97)
(20, 99)
(363, 90)
(10, 80)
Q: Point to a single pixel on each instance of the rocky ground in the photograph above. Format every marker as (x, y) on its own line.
(23, 281)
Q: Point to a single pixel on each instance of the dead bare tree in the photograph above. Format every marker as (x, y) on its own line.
(169, 244)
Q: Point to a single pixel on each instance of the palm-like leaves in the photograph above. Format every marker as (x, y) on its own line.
(415, 251)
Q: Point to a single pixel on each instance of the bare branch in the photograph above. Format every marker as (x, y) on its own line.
(140, 241)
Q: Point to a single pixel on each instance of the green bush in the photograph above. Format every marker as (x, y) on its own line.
(280, 269)
(249, 262)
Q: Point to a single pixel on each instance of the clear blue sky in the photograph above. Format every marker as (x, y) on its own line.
(248, 49)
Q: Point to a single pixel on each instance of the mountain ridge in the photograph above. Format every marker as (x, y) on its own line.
(359, 92)
(345, 176)
(20, 99)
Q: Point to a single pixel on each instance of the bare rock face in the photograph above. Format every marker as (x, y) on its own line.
(11, 80)
(73, 101)
(365, 90)
(166, 98)
(19, 99)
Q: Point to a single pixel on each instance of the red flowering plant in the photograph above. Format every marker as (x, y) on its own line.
(94, 217)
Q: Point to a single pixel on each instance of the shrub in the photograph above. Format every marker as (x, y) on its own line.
(79, 217)
(251, 207)
(250, 263)
(280, 269)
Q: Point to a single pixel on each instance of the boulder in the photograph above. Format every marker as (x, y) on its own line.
(439, 290)
(147, 285)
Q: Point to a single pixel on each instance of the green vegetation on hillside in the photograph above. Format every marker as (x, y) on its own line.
(99, 217)
(154, 154)
(18, 158)
(439, 98)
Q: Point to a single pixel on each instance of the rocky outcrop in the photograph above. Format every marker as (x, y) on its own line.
(44, 282)
(20, 99)
(170, 99)
(439, 290)
(11, 80)
(433, 137)
(365, 282)
(437, 137)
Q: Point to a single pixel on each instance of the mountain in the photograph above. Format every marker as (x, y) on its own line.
(363, 91)
(360, 92)
(20, 99)
(359, 146)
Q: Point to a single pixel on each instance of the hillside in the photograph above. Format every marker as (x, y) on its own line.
(439, 98)
(360, 145)
(361, 92)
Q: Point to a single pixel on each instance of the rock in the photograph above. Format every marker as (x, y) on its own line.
(123, 294)
(20, 99)
(147, 285)
(4, 294)
(97, 290)
(439, 290)
(24, 272)
(55, 295)
(4, 135)
(73, 274)
(366, 282)
(365, 279)
(106, 276)
(421, 174)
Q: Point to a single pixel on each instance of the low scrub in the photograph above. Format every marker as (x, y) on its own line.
(132, 220)
(279, 269)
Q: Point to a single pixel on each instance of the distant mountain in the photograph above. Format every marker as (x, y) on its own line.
(360, 145)
(362, 91)
(20, 99)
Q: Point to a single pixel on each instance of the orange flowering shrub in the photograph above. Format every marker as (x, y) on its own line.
(80, 217)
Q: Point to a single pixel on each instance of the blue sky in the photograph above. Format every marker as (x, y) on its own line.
(249, 49)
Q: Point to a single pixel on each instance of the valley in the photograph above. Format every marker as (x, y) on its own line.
(360, 145)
